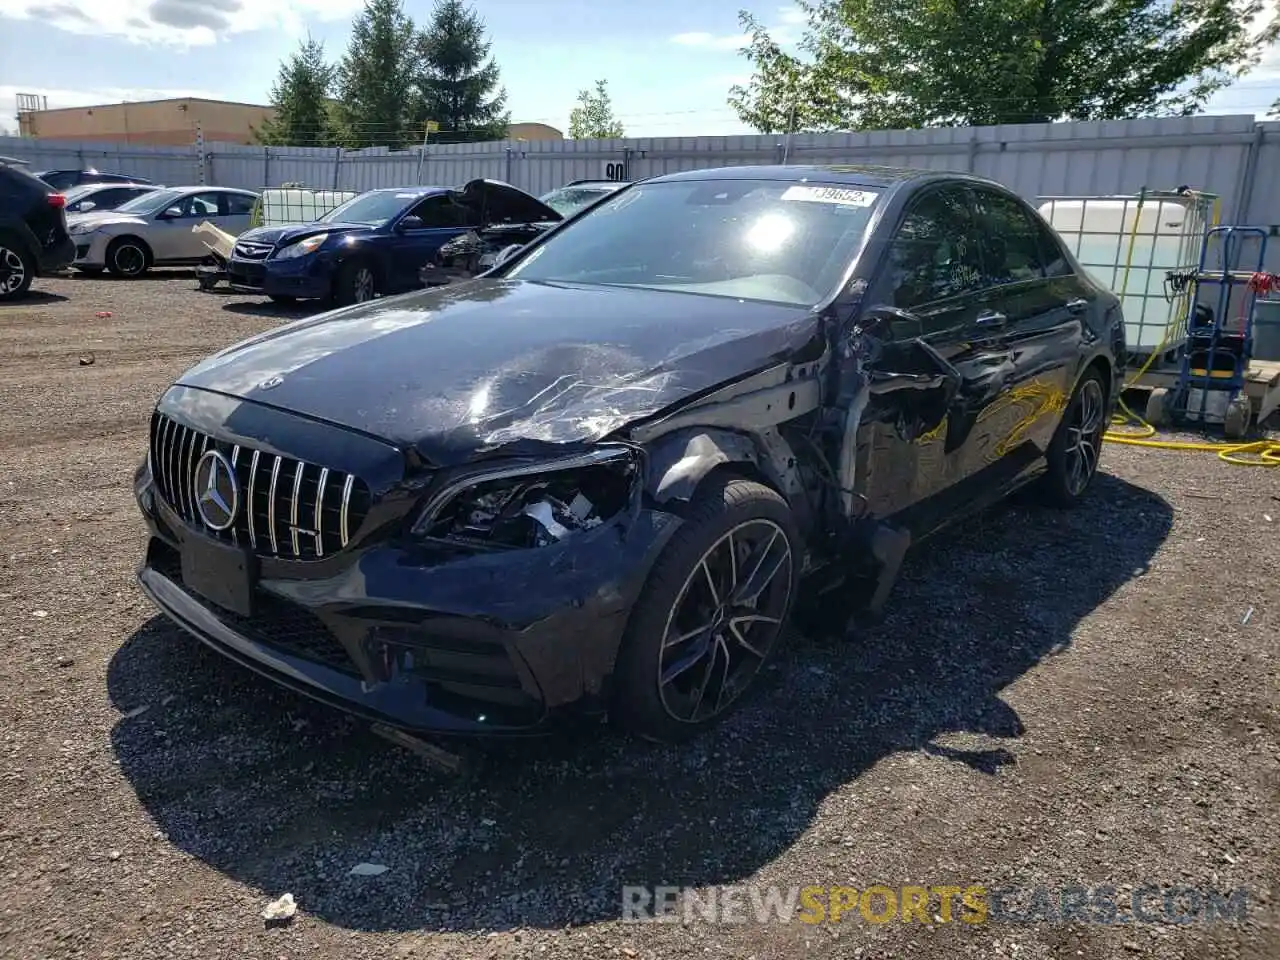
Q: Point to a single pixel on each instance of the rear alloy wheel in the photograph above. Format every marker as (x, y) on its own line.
(16, 272)
(355, 283)
(127, 258)
(1073, 454)
(711, 614)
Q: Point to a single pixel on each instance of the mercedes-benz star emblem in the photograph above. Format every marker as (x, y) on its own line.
(217, 491)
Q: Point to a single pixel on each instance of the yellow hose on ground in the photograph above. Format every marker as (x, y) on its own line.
(1259, 453)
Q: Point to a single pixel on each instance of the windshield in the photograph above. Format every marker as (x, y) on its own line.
(749, 239)
(374, 208)
(151, 202)
(567, 201)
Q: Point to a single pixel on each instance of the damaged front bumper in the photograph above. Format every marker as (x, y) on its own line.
(497, 643)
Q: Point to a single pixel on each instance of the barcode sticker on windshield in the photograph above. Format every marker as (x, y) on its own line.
(840, 195)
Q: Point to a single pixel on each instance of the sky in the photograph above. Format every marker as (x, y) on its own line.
(669, 63)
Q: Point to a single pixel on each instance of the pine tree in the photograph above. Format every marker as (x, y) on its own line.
(375, 79)
(457, 83)
(592, 118)
(303, 115)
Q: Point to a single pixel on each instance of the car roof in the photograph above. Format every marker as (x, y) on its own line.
(114, 185)
(414, 190)
(854, 174)
(207, 188)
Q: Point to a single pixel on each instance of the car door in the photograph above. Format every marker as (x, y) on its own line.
(235, 211)
(910, 454)
(1035, 305)
(170, 234)
(420, 233)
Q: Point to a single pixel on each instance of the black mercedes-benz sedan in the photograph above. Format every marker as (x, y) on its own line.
(592, 479)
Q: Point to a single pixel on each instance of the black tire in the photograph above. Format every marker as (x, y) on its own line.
(1074, 451)
(356, 282)
(128, 257)
(17, 270)
(282, 299)
(723, 509)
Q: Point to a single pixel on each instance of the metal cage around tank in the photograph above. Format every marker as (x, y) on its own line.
(1132, 244)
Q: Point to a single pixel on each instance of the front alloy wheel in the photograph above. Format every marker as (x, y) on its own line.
(725, 621)
(127, 259)
(711, 613)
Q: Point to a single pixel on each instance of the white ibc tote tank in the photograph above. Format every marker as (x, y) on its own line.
(1099, 230)
(291, 205)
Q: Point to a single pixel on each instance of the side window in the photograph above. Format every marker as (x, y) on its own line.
(441, 211)
(202, 205)
(109, 199)
(932, 257)
(1010, 240)
(1052, 251)
(239, 204)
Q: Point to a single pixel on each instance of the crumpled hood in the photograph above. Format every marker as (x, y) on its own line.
(521, 366)
(293, 232)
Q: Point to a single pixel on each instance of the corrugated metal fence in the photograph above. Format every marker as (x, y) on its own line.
(1233, 156)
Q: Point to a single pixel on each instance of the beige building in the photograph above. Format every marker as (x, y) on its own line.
(159, 122)
(174, 122)
(533, 131)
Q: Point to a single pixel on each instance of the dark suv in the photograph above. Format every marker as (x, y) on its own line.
(66, 179)
(33, 231)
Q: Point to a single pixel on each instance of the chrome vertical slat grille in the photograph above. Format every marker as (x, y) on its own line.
(299, 469)
(289, 508)
(271, 505)
(253, 504)
(318, 520)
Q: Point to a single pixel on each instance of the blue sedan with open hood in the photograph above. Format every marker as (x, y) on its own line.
(373, 244)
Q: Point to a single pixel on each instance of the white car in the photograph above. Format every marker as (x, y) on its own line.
(101, 197)
(155, 229)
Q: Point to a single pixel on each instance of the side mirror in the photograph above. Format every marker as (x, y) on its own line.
(895, 323)
(173, 213)
(85, 206)
(506, 253)
(410, 223)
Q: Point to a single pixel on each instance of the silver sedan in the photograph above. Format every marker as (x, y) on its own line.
(155, 229)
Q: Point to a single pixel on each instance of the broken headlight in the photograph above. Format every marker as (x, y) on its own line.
(533, 504)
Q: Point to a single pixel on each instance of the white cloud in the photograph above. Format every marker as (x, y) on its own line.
(177, 23)
(786, 26)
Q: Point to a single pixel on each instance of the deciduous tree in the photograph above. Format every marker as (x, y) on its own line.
(592, 118)
(906, 63)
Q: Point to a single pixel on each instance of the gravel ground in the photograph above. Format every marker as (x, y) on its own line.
(1054, 700)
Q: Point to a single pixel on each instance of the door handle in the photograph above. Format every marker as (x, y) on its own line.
(990, 320)
(1077, 306)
